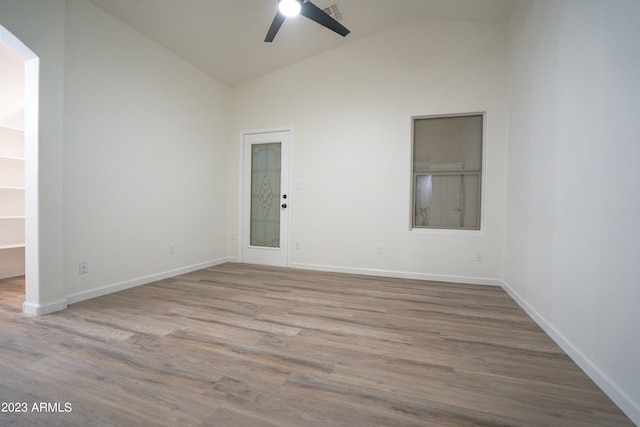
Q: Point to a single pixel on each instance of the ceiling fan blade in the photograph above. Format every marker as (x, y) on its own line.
(275, 26)
(316, 14)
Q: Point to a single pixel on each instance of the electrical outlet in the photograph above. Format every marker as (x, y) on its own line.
(297, 244)
(478, 256)
(379, 248)
(172, 249)
(83, 267)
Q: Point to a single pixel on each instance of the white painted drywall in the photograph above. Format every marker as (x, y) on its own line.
(573, 235)
(40, 27)
(351, 112)
(144, 157)
(143, 138)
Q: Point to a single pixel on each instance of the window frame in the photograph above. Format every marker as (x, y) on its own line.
(480, 173)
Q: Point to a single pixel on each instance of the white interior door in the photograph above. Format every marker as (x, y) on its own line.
(265, 202)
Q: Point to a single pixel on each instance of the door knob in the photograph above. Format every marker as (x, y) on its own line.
(284, 206)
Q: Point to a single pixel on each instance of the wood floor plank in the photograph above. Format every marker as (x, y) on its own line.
(247, 345)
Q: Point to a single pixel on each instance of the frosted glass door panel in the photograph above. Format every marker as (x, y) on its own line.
(265, 195)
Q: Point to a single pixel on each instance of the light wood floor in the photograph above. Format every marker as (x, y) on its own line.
(243, 345)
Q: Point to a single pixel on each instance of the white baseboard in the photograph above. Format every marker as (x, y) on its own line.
(93, 293)
(399, 274)
(41, 309)
(619, 397)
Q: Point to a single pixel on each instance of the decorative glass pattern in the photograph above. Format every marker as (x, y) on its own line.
(265, 189)
(265, 196)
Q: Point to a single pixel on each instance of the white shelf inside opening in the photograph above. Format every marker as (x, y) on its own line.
(12, 202)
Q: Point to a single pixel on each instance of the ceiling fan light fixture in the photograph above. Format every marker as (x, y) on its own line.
(289, 7)
(308, 10)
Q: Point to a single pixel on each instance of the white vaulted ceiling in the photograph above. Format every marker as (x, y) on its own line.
(224, 38)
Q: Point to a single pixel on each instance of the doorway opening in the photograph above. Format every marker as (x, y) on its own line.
(19, 249)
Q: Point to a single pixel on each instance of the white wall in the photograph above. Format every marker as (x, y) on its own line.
(351, 112)
(573, 236)
(145, 158)
(40, 26)
(143, 138)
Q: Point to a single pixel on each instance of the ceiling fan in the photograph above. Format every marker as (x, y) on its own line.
(307, 9)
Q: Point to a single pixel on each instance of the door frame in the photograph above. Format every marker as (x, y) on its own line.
(34, 303)
(284, 186)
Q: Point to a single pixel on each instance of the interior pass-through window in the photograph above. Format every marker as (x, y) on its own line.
(447, 171)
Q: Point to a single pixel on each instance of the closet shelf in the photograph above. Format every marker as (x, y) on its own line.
(12, 246)
(11, 128)
(12, 200)
(12, 158)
